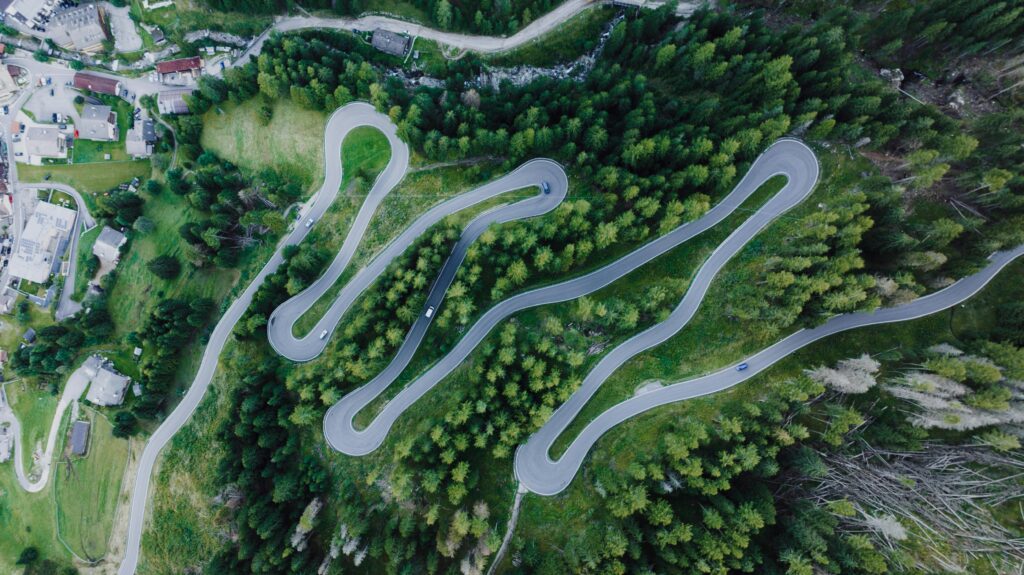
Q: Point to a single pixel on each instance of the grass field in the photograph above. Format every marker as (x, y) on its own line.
(137, 289)
(364, 153)
(87, 488)
(88, 179)
(292, 143)
(84, 254)
(184, 531)
(27, 518)
(188, 15)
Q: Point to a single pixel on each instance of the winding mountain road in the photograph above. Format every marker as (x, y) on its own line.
(533, 466)
(544, 476)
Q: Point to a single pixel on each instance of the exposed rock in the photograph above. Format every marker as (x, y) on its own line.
(894, 77)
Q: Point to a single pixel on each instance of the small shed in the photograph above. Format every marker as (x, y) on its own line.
(80, 437)
(29, 335)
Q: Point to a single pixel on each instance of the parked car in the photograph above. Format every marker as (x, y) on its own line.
(54, 117)
(7, 110)
(51, 91)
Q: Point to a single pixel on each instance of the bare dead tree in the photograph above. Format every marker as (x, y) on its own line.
(943, 494)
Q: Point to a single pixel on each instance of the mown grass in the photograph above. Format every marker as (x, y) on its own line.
(88, 179)
(86, 489)
(27, 519)
(34, 407)
(570, 40)
(11, 329)
(292, 143)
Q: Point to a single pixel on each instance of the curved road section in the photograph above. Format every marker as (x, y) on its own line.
(342, 121)
(787, 157)
(282, 320)
(541, 475)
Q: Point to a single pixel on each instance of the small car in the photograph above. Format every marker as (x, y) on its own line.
(430, 312)
(54, 118)
(545, 187)
(7, 110)
(323, 334)
(51, 91)
(741, 367)
(309, 223)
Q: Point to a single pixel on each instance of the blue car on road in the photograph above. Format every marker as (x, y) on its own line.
(742, 366)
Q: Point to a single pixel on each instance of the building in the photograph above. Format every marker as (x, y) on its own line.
(181, 71)
(42, 243)
(80, 29)
(108, 244)
(28, 11)
(173, 101)
(98, 84)
(138, 143)
(107, 386)
(8, 86)
(390, 42)
(80, 437)
(43, 143)
(157, 35)
(29, 336)
(97, 123)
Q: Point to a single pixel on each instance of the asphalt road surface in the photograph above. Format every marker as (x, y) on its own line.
(540, 474)
(482, 44)
(787, 157)
(282, 321)
(534, 468)
(341, 121)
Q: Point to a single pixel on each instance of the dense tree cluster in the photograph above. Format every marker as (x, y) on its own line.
(669, 118)
(240, 210)
(814, 271)
(267, 465)
(700, 501)
(56, 347)
(171, 325)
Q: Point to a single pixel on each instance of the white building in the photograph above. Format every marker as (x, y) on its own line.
(42, 143)
(42, 243)
(108, 244)
(107, 386)
(97, 123)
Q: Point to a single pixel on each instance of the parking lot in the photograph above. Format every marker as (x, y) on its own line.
(42, 105)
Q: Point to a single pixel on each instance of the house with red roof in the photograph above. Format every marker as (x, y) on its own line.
(181, 71)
